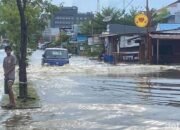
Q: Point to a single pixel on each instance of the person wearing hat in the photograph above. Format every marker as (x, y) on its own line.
(9, 75)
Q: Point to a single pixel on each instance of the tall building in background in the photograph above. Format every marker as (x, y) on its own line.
(68, 16)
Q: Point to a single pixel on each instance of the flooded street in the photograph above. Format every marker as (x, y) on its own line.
(91, 95)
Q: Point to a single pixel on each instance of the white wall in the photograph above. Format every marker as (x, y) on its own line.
(174, 8)
(124, 41)
(177, 17)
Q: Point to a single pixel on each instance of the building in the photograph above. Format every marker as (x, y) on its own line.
(165, 44)
(68, 16)
(174, 12)
(172, 8)
(173, 18)
(122, 43)
(50, 34)
(166, 26)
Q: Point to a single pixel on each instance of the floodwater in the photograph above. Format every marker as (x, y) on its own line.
(91, 95)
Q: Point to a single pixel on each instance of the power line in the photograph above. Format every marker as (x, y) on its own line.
(129, 4)
(126, 6)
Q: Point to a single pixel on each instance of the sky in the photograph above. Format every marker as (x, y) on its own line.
(91, 5)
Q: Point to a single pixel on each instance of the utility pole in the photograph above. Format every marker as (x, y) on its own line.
(98, 6)
(149, 48)
(92, 31)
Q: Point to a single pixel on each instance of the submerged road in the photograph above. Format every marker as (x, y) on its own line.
(91, 95)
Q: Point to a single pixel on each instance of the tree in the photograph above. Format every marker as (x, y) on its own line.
(62, 38)
(96, 25)
(36, 14)
(22, 5)
(159, 16)
(23, 49)
(129, 17)
(20, 22)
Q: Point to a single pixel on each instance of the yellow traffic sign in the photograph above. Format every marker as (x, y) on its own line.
(141, 20)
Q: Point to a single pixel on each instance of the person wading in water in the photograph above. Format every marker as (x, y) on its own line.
(9, 76)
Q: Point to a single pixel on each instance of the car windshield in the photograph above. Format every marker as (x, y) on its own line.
(56, 54)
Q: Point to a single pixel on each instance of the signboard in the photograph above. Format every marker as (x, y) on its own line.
(90, 41)
(93, 40)
(141, 20)
(107, 19)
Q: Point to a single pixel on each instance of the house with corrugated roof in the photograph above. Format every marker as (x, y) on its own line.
(122, 43)
(129, 44)
(165, 44)
(166, 26)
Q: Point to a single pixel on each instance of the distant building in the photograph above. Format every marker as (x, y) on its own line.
(68, 16)
(50, 34)
(76, 28)
(174, 12)
(172, 8)
(174, 18)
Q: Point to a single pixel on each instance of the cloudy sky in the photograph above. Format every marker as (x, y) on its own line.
(91, 5)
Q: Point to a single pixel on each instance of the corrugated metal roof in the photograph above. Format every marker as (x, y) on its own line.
(165, 36)
(107, 35)
(166, 26)
(125, 29)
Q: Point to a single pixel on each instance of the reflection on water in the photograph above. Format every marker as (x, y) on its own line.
(89, 95)
(18, 120)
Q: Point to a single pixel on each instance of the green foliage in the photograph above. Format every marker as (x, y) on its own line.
(129, 17)
(72, 48)
(96, 25)
(93, 50)
(10, 21)
(62, 38)
(159, 17)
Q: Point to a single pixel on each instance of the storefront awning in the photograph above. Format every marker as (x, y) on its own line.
(165, 36)
(107, 35)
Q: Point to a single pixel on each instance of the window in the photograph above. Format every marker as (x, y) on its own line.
(56, 22)
(56, 54)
